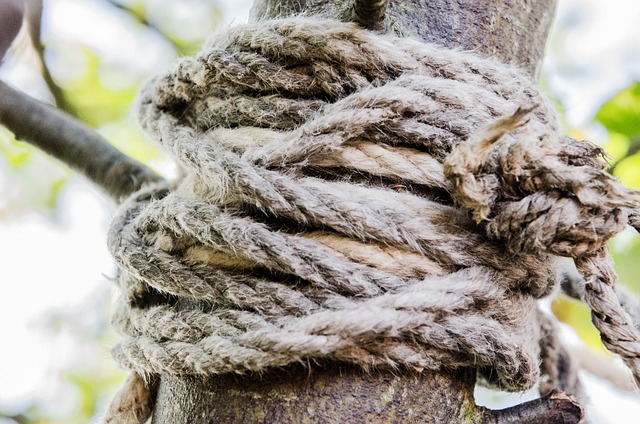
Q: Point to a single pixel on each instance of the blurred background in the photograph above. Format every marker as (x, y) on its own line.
(92, 55)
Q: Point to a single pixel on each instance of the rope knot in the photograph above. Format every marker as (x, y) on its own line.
(537, 191)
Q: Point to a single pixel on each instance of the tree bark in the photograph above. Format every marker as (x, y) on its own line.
(513, 31)
(332, 394)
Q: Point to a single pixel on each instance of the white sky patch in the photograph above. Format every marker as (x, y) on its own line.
(236, 12)
(189, 18)
(96, 25)
(609, 405)
(46, 268)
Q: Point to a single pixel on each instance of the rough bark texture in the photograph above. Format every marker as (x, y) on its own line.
(335, 394)
(514, 31)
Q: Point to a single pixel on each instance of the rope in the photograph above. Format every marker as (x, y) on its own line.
(356, 197)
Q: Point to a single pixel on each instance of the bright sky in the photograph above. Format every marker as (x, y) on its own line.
(50, 270)
(600, 54)
(59, 269)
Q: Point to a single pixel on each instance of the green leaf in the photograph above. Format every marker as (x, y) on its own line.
(621, 113)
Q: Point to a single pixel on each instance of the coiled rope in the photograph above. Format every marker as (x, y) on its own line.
(356, 197)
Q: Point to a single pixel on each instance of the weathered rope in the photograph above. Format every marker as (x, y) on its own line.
(362, 198)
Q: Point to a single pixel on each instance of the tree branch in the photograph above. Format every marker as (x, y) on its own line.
(514, 32)
(11, 12)
(329, 393)
(72, 142)
(554, 408)
(34, 24)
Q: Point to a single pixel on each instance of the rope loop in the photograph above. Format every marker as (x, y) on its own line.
(356, 197)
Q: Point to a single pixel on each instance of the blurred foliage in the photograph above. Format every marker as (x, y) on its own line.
(25, 188)
(89, 386)
(620, 116)
(183, 30)
(626, 254)
(621, 113)
(99, 90)
(577, 315)
(94, 102)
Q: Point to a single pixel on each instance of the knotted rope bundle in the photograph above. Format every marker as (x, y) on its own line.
(362, 198)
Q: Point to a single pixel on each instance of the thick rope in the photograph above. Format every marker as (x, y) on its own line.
(362, 198)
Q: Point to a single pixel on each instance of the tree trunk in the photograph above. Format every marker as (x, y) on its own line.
(513, 31)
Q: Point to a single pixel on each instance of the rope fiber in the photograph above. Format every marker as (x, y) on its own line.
(357, 197)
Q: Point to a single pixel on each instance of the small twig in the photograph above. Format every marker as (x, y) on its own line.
(554, 408)
(19, 418)
(34, 24)
(11, 12)
(634, 147)
(568, 379)
(370, 13)
(72, 142)
(142, 20)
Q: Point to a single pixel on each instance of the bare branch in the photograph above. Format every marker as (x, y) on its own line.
(370, 13)
(558, 368)
(554, 408)
(72, 142)
(34, 24)
(11, 12)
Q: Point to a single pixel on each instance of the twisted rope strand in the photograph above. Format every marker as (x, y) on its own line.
(356, 197)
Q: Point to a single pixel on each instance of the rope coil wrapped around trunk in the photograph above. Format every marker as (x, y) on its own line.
(363, 198)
